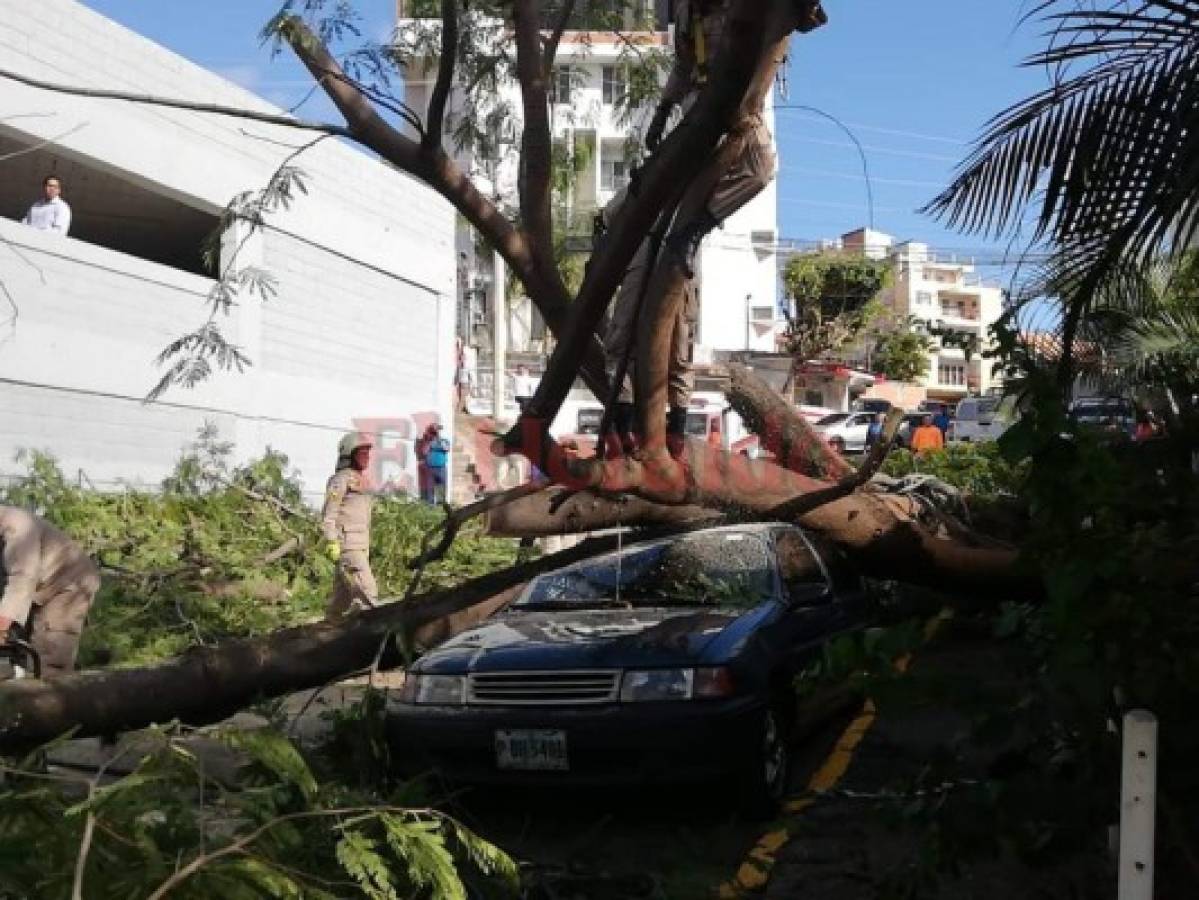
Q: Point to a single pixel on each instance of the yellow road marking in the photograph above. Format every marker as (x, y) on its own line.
(754, 872)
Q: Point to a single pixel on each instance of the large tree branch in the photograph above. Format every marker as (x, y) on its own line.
(536, 156)
(236, 112)
(752, 25)
(555, 38)
(764, 43)
(207, 684)
(435, 118)
(558, 511)
(784, 432)
(443, 175)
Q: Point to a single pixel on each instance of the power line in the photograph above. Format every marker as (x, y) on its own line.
(896, 132)
(912, 154)
(861, 153)
(825, 173)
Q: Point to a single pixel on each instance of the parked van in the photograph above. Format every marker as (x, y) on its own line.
(982, 419)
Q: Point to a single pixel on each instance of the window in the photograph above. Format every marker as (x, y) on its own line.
(951, 373)
(761, 313)
(813, 398)
(722, 568)
(614, 174)
(615, 85)
(924, 298)
(561, 84)
(798, 568)
(589, 421)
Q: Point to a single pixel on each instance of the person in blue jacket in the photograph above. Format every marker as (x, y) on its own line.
(437, 457)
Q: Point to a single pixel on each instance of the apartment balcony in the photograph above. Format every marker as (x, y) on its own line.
(950, 374)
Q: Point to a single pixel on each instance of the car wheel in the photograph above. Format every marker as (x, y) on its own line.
(763, 784)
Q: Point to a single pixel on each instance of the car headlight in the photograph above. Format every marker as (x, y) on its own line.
(675, 684)
(434, 690)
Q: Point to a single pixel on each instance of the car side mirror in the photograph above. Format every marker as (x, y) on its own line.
(805, 593)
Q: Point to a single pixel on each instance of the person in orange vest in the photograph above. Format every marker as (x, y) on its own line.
(927, 437)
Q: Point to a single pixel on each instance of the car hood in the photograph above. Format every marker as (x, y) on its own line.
(618, 638)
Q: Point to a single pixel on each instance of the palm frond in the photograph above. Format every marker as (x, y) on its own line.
(1110, 152)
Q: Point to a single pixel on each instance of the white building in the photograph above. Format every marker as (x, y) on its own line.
(942, 294)
(360, 333)
(737, 268)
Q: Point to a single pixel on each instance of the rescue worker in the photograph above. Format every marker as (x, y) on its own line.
(346, 525)
(698, 28)
(49, 585)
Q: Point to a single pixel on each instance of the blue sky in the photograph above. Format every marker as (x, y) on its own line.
(914, 81)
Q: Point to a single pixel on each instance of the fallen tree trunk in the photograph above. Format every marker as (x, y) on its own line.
(207, 684)
(558, 511)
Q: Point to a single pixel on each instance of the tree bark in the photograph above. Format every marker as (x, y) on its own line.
(558, 511)
(783, 431)
(432, 165)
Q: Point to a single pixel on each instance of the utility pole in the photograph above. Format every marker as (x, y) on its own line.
(499, 337)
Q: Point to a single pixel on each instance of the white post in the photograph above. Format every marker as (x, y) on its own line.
(1138, 800)
(499, 338)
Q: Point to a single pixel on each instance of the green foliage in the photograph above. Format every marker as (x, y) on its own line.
(979, 469)
(835, 296)
(275, 832)
(222, 551)
(901, 353)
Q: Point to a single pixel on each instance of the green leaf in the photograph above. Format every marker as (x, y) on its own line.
(359, 857)
(106, 793)
(272, 750)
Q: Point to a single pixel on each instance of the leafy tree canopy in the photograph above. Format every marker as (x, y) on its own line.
(835, 296)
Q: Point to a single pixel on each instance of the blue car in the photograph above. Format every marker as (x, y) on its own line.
(671, 660)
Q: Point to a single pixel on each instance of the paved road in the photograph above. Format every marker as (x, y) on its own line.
(611, 845)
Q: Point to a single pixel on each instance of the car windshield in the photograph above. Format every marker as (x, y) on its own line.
(697, 424)
(832, 420)
(726, 568)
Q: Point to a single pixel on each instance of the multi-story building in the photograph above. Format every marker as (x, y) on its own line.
(943, 296)
(594, 129)
(358, 334)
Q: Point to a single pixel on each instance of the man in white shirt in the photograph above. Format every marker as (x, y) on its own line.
(51, 213)
(524, 385)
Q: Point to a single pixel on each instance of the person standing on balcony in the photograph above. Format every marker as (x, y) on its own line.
(51, 213)
(48, 587)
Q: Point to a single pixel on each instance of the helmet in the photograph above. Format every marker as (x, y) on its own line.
(352, 441)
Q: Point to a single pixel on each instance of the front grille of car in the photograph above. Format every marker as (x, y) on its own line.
(551, 688)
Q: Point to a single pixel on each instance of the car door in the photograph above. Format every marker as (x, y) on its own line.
(811, 609)
(855, 430)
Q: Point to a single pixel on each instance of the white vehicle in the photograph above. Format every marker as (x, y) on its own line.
(982, 419)
(846, 432)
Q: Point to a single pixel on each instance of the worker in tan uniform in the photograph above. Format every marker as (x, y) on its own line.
(346, 526)
(698, 28)
(49, 585)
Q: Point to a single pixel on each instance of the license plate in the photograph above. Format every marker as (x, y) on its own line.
(542, 749)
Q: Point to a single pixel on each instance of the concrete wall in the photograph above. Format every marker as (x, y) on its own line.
(361, 328)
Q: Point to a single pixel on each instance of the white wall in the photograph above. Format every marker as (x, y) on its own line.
(732, 267)
(362, 327)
